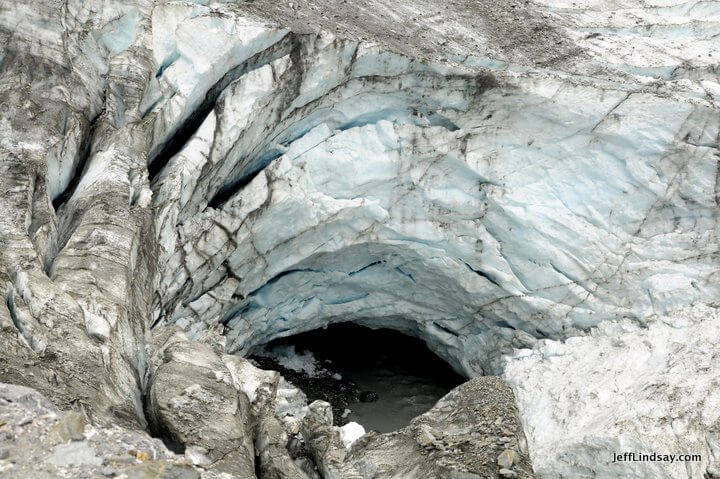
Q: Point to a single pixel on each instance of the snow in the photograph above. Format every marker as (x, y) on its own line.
(289, 358)
(351, 432)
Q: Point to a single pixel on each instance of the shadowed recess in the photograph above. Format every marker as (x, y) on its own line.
(379, 378)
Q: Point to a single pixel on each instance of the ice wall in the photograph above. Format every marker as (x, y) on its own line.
(480, 209)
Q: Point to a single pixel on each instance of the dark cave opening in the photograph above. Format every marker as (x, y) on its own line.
(379, 378)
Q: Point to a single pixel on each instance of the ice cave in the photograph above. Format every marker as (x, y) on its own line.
(379, 379)
(368, 240)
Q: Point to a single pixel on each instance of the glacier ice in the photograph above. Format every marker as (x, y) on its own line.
(622, 388)
(526, 187)
(471, 216)
(482, 216)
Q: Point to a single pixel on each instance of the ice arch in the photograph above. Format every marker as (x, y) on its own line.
(337, 182)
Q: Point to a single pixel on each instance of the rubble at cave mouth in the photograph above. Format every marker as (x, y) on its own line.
(379, 378)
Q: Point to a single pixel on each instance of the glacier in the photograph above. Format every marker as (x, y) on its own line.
(440, 203)
(623, 388)
(531, 188)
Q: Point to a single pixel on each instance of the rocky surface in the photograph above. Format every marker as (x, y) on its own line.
(473, 432)
(491, 177)
(39, 441)
(194, 402)
(337, 392)
(75, 255)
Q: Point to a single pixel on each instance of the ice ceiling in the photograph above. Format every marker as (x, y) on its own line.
(323, 181)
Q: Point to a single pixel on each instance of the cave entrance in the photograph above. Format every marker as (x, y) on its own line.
(379, 378)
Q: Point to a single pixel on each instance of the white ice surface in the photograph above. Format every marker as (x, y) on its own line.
(623, 388)
(351, 432)
(289, 358)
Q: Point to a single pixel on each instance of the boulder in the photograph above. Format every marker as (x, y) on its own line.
(194, 402)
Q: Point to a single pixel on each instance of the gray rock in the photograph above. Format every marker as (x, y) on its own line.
(117, 460)
(506, 458)
(197, 456)
(193, 402)
(35, 451)
(467, 418)
(161, 470)
(324, 441)
(25, 421)
(713, 472)
(74, 454)
(425, 436)
(274, 461)
(463, 475)
(70, 427)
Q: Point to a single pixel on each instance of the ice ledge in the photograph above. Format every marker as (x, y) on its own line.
(623, 388)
